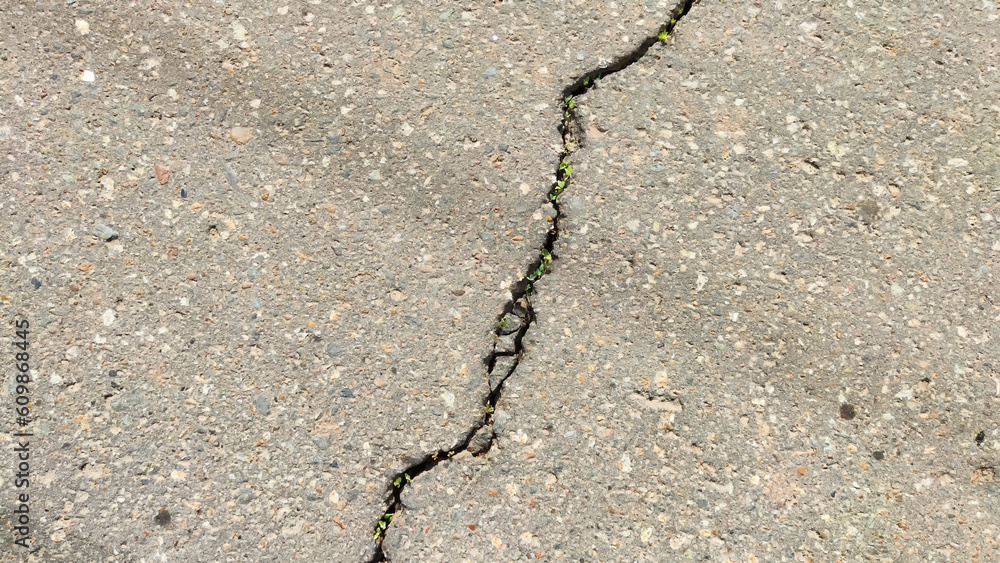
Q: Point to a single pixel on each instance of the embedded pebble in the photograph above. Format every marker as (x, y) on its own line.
(105, 233)
(263, 404)
(241, 135)
(162, 174)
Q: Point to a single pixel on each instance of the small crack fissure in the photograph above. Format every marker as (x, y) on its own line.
(518, 314)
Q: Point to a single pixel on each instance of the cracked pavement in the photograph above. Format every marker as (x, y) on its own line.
(264, 252)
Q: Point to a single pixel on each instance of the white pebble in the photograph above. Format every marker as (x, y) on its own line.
(239, 32)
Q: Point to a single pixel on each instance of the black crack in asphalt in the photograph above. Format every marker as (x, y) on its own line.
(518, 315)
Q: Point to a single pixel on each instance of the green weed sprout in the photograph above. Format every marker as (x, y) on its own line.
(399, 480)
(545, 262)
(383, 523)
(569, 103)
(560, 186)
(673, 21)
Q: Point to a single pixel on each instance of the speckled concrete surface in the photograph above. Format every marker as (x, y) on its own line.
(262, 248)
(770, 330)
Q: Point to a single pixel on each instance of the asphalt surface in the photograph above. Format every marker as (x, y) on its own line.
(265, 253)
(769, 330)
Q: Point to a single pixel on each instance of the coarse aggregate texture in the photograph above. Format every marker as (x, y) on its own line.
(263, 249)
(769, 330)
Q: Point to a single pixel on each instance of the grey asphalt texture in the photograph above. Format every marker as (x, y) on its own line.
(265, 249)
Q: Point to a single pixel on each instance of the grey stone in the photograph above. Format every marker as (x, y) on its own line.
(245, 496)
(510, 324)
(506, 343)
(230, 175)
(263, 404)
(481, 441)
(321, 442)
(104, 233)
(334, 351)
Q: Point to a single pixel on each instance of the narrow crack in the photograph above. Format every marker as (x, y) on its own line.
(519, 313)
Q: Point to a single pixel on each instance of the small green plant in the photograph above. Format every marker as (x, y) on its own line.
(565, 170)
(665, 34)
(556, 191)
(568, 104)
(503, 322)
(488, 409)
(399, 480)
(544, 263)
(533, 276)
(383, 523)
